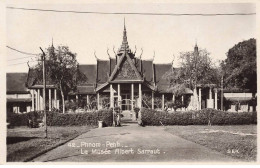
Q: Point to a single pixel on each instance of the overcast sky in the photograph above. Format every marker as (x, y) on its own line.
(166, 35)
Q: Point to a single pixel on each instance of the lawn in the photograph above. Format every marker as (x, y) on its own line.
(238, 141)
(23, 143)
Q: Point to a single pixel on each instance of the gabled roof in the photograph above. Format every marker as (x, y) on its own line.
(90, 71)
(16, 83)
(103, 69)
(148, 70)
(123, 59)
(34, 80)
(88, 89)
(161, 83)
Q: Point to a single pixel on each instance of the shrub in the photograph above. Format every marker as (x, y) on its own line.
(60, 119)
(17, 119)
(200, 117)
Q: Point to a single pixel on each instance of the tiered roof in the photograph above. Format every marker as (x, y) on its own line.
(125, 68)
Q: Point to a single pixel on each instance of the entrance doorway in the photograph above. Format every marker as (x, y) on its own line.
(126, 101)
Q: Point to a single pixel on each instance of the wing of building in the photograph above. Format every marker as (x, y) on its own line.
(18, 97)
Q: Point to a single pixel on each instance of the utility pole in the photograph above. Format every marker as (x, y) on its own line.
(222, 95)
(44, 91)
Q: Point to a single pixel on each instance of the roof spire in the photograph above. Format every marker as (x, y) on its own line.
(124, 46)
(124, 24)
(52, 41)
(124, 34)
(196, 49)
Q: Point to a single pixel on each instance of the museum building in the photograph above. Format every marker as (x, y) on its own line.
(126, 80)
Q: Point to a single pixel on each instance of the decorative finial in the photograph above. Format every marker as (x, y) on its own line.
(141, 53)
(52, 41)
(95, 54)
(173, 59)
(108, 53)
(124, 23)
(28, 64)
(114, 50)
(153, 55)
(196, 49)
(135, 50)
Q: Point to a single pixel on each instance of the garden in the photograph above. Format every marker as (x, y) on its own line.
(231, 133)
(26, 134)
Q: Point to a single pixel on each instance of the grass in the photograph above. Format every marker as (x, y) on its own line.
(238, 141)
(24, 144)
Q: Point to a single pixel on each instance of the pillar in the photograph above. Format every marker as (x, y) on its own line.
(55, 98)
(38, 99)
(118, 95)
(152, 99)
(77, 97)
(210, 93)
(50, 99)
(216, 99)
(35, 100)
(162, 101)
(32, 92)
(98, 106)
(140, 95)
(173, 98)
(132, 96)
(58, 104)
(199, 98)
(41, 100)
(88, 99)
(182, 102)
(111, 96)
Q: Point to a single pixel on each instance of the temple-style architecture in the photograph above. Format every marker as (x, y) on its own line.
(125, 80)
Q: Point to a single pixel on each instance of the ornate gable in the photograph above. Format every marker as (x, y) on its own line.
(126, 72)
(125, 68)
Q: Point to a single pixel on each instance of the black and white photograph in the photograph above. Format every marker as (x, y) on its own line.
(130, 82)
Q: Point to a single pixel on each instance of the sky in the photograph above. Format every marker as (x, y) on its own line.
(163, 35)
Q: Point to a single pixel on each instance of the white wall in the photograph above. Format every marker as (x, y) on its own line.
(237, 94)
(18, 96)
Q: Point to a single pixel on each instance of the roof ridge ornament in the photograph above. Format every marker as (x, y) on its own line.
(135, 50)
(108, 53)
(95, 55)
(196, 46)
(141, 53)
(114, 50)
(173, 59)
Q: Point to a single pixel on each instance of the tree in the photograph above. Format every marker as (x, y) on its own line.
(61, 70)
(196, 68)
(239, 68)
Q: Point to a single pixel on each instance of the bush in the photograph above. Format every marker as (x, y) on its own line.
(17, 119)
(60, 119)
(200, 117)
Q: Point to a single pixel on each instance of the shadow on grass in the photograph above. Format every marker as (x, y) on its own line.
(13, 140)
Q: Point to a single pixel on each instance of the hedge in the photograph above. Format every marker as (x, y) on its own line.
(200, 117)
(60, 119)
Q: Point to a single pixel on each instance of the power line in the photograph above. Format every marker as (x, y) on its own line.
(20, 58)
(133, 13)
(22, 63)
(22, 51)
